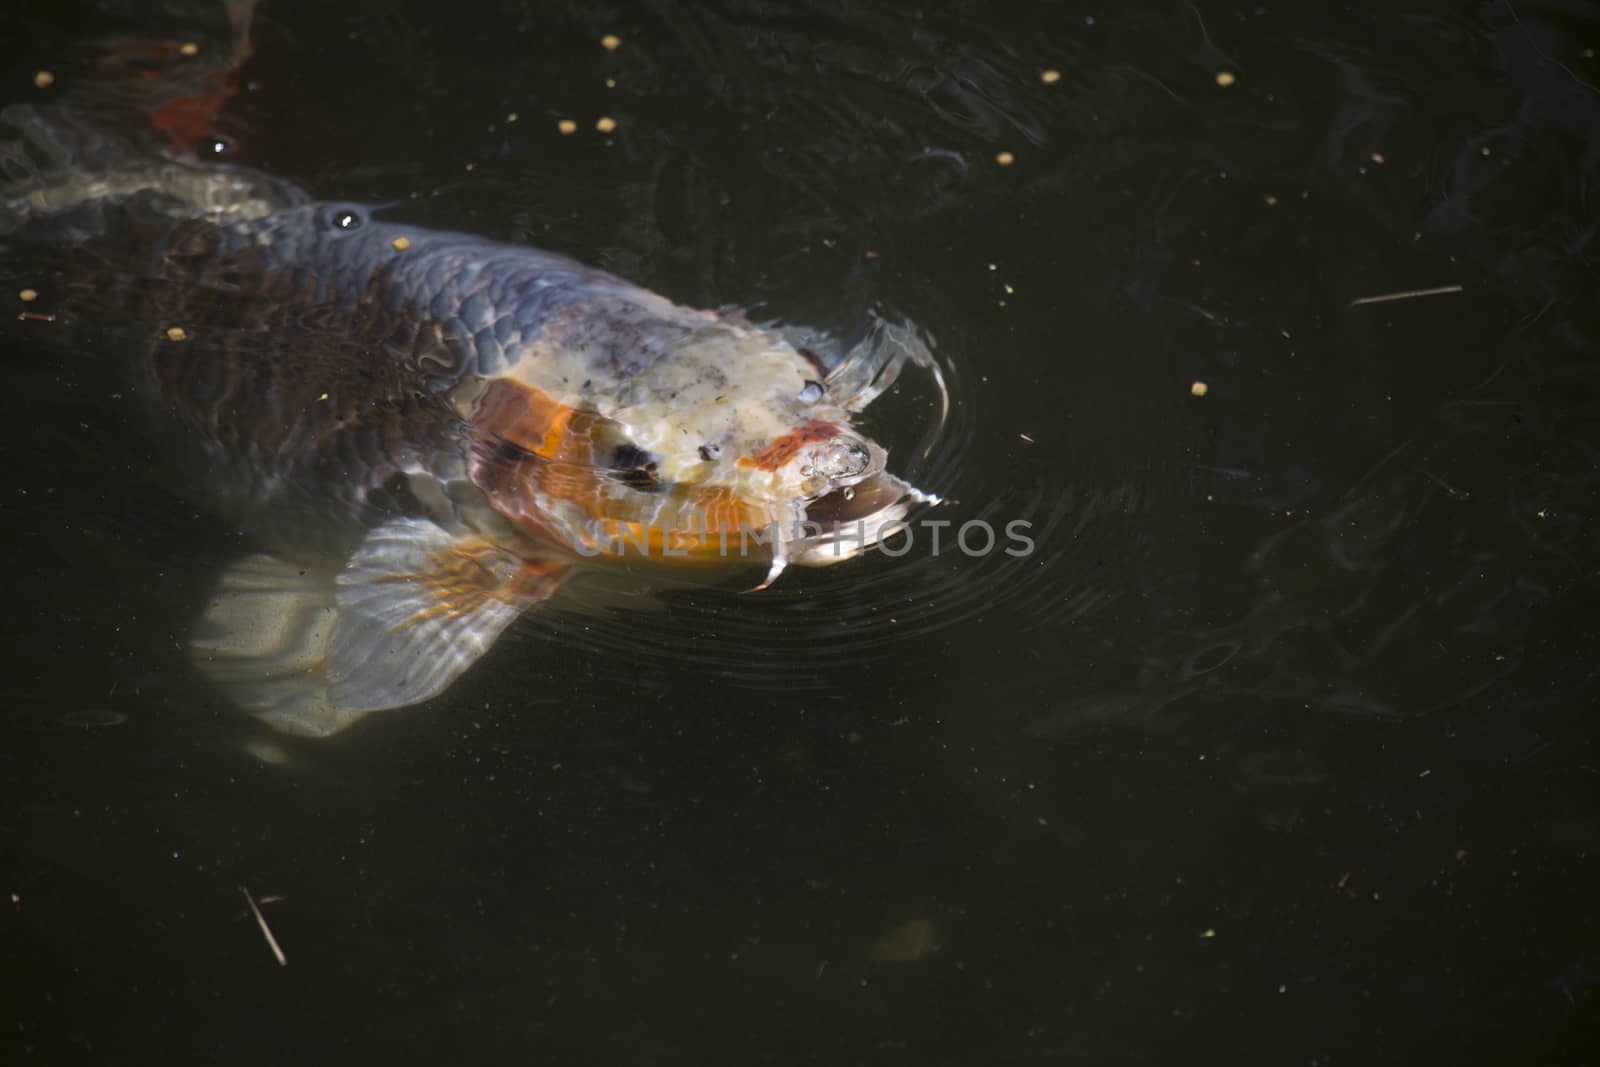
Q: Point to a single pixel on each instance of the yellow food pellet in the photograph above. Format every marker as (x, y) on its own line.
(177, 333)
(1005, 159)
(400, 244)
(189, 48)
(606, 124)
(567, 127)
(28, 296)
(1225, 78)
(44, 79)
(1199, 389)
(611, 42)
(511, 117)
(1050, 77)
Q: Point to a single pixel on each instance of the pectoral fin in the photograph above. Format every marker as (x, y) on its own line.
(413, 608)
(417, 607)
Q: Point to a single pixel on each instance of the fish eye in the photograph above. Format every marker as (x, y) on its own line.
(635, 468)
(219, 145)
(710, 452)
(346, 220)
(813, 392)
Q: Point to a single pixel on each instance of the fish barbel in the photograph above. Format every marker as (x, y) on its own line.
(459, 425)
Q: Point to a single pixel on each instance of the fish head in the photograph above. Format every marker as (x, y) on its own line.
(727, 439)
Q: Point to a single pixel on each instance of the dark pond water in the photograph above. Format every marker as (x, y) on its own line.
(1281, 748)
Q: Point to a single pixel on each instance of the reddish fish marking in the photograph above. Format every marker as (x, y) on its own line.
(789, 445)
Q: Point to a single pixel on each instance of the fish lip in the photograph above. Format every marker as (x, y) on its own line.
(849, 519)
(855, 499)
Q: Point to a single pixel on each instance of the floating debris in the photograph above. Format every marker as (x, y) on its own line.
(188, 48)
(400, 244)
(1026, 438)
(567, 127)
(1198, 388)
(1050, 77)
(1225, 78)
(177, 333)
(1005, 159)
(270, 752)
(28, 296)
(266, 931)
(1376, 157)
(906, 943)
(1271, 201)
(611, 42)
(605, 124)
(1408, 294)
(44, 79)
(94, 717)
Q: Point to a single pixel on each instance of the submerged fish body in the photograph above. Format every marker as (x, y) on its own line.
(460, 425)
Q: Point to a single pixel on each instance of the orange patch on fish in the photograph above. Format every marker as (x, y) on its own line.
(789, 445)
(524, 416)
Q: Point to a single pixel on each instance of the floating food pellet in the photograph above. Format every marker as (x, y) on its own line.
(28, 296)
(400, 244)
(606, 124)
(1199, 389)
(1377, 157)
(1270, 199)
(189, 48)
(567, 127)
(1225, 78)
(44, 79)
(611, 42)
(511, 117)
(1005, 159)
(177, 333)
(1050, 77)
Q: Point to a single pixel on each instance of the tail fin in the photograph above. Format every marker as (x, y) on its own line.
(61, 170)
(170, 81)
(129, 120)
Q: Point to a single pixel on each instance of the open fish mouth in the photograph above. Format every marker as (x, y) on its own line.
(846, 521)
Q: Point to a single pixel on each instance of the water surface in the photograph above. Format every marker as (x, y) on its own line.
(1280, 749)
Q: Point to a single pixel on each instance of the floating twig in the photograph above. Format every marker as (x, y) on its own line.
(1409, 294)
(266, 931)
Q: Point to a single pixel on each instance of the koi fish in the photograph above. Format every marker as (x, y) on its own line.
(430, 432)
